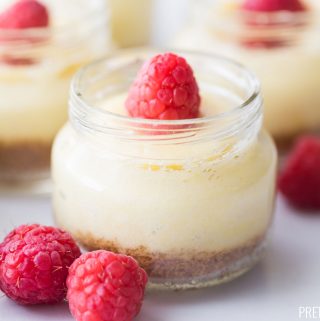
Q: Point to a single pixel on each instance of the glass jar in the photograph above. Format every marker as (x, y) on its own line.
(191, 200)
(130, 22)
(36, 67)
(283, 48)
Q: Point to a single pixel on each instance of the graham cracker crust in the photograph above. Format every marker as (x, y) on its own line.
(20, 160)
(178, 264)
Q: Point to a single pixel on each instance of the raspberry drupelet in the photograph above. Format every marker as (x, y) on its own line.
(34, 263)
(165, 88)
(104, 286)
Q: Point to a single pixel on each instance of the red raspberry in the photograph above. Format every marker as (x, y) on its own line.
(165, 88)
(267, 6)
(299, 180)
(104, 286)
(25, 14)
(273, 5)
(34, 262)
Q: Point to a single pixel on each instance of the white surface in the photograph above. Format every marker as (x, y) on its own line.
(286, 279)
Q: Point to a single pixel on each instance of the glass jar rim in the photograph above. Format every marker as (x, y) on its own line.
(274, 19)
(85, 106)
(279, 17)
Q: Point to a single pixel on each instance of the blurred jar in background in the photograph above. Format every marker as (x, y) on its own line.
(36, 66)
(130, 22)
(282, 47)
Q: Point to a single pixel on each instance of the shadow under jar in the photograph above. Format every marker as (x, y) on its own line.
(282, 48)
(36, 67)
(191, 200)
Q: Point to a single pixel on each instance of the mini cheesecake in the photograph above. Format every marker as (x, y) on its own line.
(35, 74)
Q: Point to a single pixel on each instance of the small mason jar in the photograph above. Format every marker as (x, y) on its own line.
(282, 48)
(192, 200)
(36, 67)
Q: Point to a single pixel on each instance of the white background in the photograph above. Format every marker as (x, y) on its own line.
(287, 278)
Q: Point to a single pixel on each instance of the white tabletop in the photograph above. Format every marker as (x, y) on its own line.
(273, 291)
